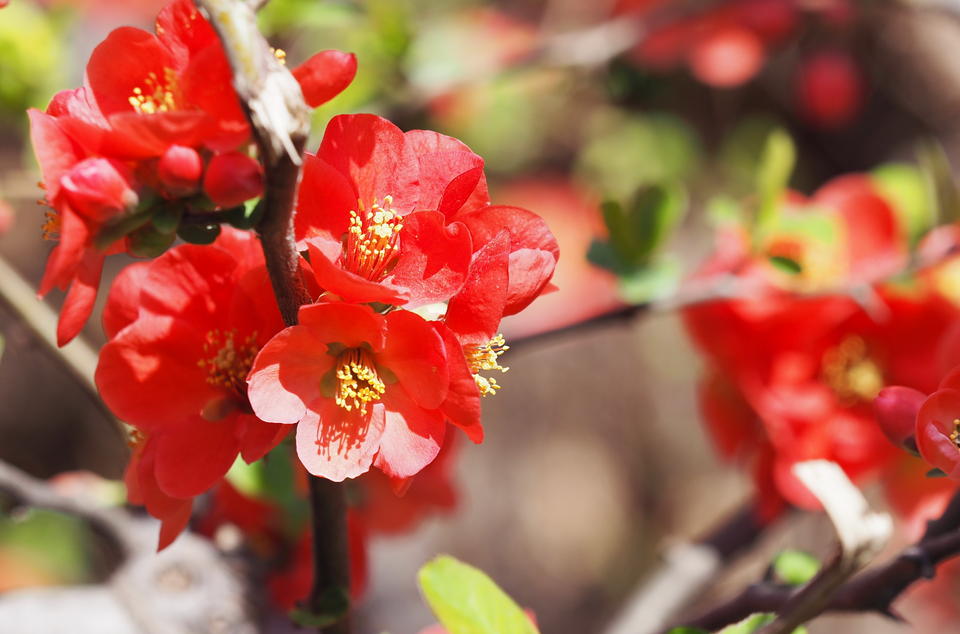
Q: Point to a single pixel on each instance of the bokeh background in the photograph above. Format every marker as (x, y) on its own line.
(595, 457)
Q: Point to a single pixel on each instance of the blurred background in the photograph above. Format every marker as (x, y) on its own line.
(595, 457)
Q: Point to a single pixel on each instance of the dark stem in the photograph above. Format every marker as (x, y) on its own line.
(280, 122)
(873, 590)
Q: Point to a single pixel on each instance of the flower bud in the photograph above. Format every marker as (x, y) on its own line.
(896, 409)
(179, 170)
(233, 178)
(98, 189)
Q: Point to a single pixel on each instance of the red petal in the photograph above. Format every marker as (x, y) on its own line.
(66, 257)
(433, 260)
(412, 436)
(148, 375)
(286, 375)
(325, 75)
(79, 301)
(373, 154)
(324, 201)
(183, 30)
(56, 153)
(346, 324)
(475, 312)
(194, 455)
(443, 161)
(934, 426)
(123, 62)
(462, 404)
(191, 282)
(207, 85)
(414, 352)
(134, 136)
(533, 249)
(257, 438)
(335, 444)
(233, 178)
(346, 285)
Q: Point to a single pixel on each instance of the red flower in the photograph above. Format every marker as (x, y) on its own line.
(393, 217)
(184, 330)
(938, 426)
(364, 388)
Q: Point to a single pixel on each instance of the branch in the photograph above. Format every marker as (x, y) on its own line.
(280, 122)
(188, 587)
(874, 590)
(687, 569)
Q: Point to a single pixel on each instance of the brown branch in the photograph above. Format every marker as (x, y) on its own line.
(687, 569)
(280, 122)
(874, 590)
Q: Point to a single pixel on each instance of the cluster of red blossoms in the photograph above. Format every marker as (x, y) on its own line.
(410, 265)
(795, 366)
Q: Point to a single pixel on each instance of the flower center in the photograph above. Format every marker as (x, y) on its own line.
(229, 360)
(358, 383)
(373, 241)
(485, 357)
(156, 94)
(850, 372)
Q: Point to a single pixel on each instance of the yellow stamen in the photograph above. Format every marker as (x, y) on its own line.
(850, 372)
(229, 360)
(358, 383)
(51, 225)
(135, 438)
(485, 357)
(955, 434)
(156, 95)
(280, 54)
(372, 242)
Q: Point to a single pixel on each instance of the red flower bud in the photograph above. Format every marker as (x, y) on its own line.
(233, 178)
(896, 409)
(325, 75)
(98, 189)
(829, 89)
(179, 170)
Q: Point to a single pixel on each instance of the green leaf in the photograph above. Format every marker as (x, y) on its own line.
(936, 473)
(166, 218)
(199, 234)
(466, 601)
(906, 188)
(605, 256)
(149, 243)
(776, 165)
(795, 567)
(786, 265)
(245, 216)
(654, 215)
(119, 228)
(687, 630)
(649, 283)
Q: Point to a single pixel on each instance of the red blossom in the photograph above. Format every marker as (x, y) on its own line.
(184, 330)
(364, 388)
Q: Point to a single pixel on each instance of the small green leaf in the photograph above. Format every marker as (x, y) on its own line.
(603, 255)
(653, 216)
(120, 227)
(942, 188)
(786, 265)
(687, 630)
(907, 189)
(466, 601)
(147, 242)
(245, 216)
(199, 234)
(936, 473)
(776, 165)
(795, 567)
(166, 218)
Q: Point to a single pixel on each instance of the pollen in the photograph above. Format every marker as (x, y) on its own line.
(850, 372)
(228, 359)
(280, 54)
(372, 241)
(51, 224)
(157, 94)
(486, 357)
(358, 383)
(955, 434)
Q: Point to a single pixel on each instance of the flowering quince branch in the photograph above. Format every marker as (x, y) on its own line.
(873, 590)
(280, 122)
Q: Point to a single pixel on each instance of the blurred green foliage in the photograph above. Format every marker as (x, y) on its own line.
(31, 59)
(55, 546)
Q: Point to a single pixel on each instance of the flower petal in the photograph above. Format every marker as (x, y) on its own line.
(475, 312)
(433, 259)
(324, 201)
(412, 436)
(347, 324)
(325, 75)
(462, 403)
(78, 304)
(193, 456)
(128, 59)
(346, 285)
(414, 352)
(335, 444)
